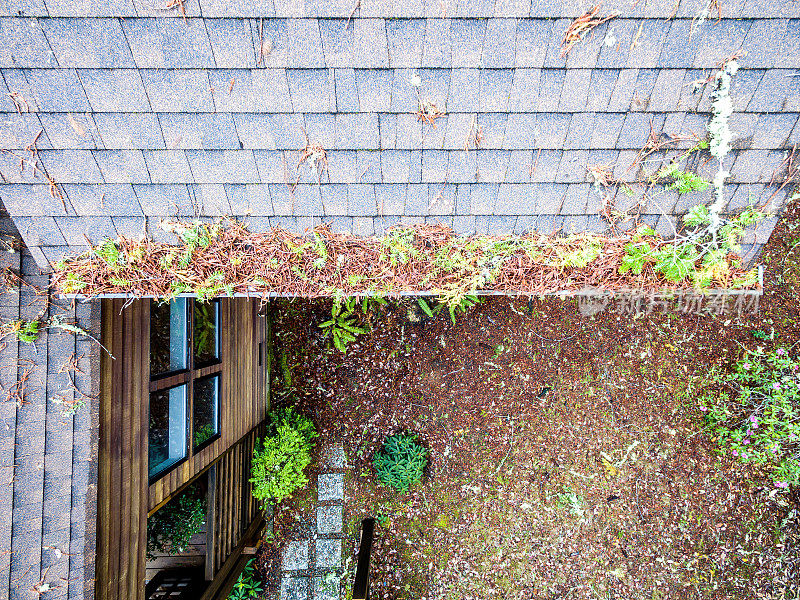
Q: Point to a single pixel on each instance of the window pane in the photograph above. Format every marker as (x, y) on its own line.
(206, 413)
(167, 438)
(206, 344)
(167, 336)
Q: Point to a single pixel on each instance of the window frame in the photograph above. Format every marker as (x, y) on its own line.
(186, 454)
(187, 376)
(218, 433)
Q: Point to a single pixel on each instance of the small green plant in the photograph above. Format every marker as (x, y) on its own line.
(343, 326)
(683, 181)
(760, 423)
(194, 235)
(73, 283)
(578, 257)
(462, 304)
(28, 331)
(24, 331)
(322, 251)
(401, 461)
(398, 245)
(570, 501)
(281, 457)
(701, 255)
(171, 527)
(70, 408)
(760, 335)
(247, 586)
(109, 253)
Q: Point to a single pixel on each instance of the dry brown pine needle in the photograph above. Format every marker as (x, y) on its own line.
(421, 258)
(581, 26)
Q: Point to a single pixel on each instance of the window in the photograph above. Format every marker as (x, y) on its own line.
(205, 413)
(167, 438)
(185, 372)
(168, 337)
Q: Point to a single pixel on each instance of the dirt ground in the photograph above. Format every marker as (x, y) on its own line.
(567, 454)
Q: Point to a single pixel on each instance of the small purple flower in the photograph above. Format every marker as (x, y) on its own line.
(754, 425)
(746, 441)
(744, 455)
(780, 351)
(753, 419)
(735, 452)
(746, 366)
(782, 484)
(748, 432)
(774, 450)
(776, 386)
(703, 409)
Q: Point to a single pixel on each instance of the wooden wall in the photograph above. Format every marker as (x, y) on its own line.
(242, 401)
(122, 496)
(125, 496)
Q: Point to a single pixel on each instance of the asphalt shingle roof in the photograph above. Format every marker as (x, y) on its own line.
(146, 115)
(48, 465)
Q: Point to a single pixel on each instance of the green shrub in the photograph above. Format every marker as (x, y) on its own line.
(247, 586)
(761, 423)
(400, 463)
(280, 458)
(170, 529)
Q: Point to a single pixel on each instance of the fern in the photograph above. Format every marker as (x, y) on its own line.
(676, 262)
(636, 257)
(342, 327)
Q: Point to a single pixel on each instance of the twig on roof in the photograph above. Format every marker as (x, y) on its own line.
(534, 164)
(581, 26)
(17, 390)
(179, 4)
(286, 180)
(20, 104)
(474, 135)
(33, 160)
(71, 364)
(428, 112)
(316, 156)
(352, 12)
(260, 60)
(792, 172)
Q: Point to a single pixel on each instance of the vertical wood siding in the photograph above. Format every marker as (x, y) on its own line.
(124, 495)
(122, 463)
(241, 405)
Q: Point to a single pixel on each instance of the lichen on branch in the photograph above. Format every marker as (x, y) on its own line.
(720, 137)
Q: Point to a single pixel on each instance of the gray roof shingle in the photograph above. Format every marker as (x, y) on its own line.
(45, 452)
(147, 115)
